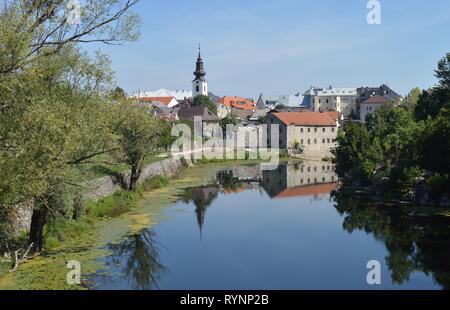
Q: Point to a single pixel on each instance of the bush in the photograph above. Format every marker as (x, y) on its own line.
(114, 205)
(155, 182)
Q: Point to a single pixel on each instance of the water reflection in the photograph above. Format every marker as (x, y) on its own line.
(202, 197)
(289, 180)
(415, 241)
(242, 207)
(135, 261)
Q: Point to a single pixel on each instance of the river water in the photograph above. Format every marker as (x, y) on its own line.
(281, 229)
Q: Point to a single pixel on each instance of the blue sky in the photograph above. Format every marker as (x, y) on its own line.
(283, 46)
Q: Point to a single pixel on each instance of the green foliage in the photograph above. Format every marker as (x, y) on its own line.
(114, 205)
(204, 101)
(399, 143)
(412, 98)
(155, 182)
(140, 136)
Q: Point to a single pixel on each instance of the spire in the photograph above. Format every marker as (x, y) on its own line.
(199, 70)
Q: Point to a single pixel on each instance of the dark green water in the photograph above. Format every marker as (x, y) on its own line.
(280, 230)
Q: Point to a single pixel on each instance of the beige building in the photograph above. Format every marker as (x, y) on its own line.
(371, 105)
(313, 132)
(342, 100)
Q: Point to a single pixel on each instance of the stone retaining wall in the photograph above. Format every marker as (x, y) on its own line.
(100, 188)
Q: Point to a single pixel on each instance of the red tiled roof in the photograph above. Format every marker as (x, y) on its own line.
(308, 118)
(238, 103)
(309, 190)
(376, 100)
(162, 100)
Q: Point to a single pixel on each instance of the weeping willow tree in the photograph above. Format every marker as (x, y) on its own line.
(54, 114)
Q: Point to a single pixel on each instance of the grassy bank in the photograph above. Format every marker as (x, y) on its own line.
(67, 240)
(104, 222)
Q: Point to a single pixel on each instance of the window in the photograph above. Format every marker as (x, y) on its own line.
(323, 129)
(301, 141)
(315, 169)
(328, 140)
(197, 88)
(332, 129)
(309, 129)
(309, 141)
(315, 129)
(301, 129)
(323, 141)
(315, 141)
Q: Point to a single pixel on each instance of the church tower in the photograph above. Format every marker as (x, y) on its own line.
(199, 84)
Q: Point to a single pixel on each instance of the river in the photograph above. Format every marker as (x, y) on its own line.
(281, 229)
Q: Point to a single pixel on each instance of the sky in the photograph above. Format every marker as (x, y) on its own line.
(283, 46)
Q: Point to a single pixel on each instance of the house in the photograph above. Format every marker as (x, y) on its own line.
(169, 102)
(340, 99)
(164, 112)
(313, 132)
(371, 105)
(365, 93)
(227, 104)
(282, 101)
(210, 122)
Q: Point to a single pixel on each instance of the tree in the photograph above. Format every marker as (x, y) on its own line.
(432, 101)
(30, 30)
(53, 115)
(118, 94)
(412, 98)
(140, 136)
(204, 101)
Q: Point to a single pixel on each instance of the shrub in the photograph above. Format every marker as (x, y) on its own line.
(155, 182)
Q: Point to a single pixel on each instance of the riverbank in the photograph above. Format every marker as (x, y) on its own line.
(86, 240)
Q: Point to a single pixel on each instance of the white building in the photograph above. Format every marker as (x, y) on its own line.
(341, 99)
(178, 94)
(199, 84)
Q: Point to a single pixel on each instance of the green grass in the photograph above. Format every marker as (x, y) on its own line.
(114, 205)
(155, 182)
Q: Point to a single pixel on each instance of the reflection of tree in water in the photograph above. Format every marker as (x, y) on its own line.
(139, 258)
(227, 180)
(414, 243)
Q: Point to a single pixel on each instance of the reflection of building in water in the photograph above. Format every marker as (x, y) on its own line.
(300, 179)
(202, 198)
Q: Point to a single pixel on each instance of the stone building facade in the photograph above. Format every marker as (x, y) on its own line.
(313, 132)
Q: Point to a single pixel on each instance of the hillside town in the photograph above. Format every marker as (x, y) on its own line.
(308, 121)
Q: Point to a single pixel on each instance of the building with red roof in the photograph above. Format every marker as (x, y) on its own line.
(311, 134)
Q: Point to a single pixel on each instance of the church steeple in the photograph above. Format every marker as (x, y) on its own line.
(199, 70)
(199, 84)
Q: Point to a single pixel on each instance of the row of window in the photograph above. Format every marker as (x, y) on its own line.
(302, 141)
(308, 181)
(316, 129)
